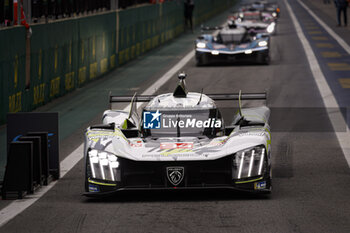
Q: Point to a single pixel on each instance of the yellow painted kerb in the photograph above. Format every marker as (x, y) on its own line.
(315, 32)
(324, 45)
(331, 54)
(339, 66)
(344, 82)
(319, 38)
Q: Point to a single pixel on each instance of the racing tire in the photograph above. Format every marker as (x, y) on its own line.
(86, 182)
(202, 60)
(263, 58)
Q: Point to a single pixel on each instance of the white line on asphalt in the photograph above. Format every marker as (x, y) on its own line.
(328, 98)
(335, 36)
(18, 206)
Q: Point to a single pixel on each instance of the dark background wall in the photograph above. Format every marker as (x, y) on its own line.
(66, 54)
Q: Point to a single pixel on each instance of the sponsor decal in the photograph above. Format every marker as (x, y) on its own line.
(175, 174)
(137, 143)
(219, 46)
(218, 143)
(96, 135)
(210, 123)
(177, 152)
(174, 153)
(93, 188)
(178, 145)
(260, 185)
(151, 120)
(157, 120)
(252, 134)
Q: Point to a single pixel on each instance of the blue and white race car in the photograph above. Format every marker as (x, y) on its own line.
(264, 7)
(232, 43)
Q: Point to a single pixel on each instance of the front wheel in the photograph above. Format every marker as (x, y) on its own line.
(87, 175)
(201, 59)
(263, 58)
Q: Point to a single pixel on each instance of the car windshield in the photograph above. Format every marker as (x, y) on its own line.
(181, 123)
(228, 38)
(252, 17)
(258, 6)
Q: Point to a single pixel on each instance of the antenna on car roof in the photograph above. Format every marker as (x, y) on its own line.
(109, 97)
(200, 98)
(181, 90)
(240, 103)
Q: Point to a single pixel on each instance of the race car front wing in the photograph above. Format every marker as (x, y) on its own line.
(157, 175)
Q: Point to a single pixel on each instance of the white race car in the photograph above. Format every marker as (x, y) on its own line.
(179, 142)
(261, 22)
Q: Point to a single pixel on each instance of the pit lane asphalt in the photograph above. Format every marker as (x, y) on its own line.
(310, 174)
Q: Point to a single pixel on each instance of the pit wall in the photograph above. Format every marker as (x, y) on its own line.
(64, 55)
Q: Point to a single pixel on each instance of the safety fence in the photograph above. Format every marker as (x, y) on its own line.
(66, 54)
(12, 71)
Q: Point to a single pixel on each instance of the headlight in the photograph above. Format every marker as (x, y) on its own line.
(241, 15)
(248, 163)
(270, 28)
(262, 43)
(249, 51)
(104, 166)
(274, 14)
(201, 45)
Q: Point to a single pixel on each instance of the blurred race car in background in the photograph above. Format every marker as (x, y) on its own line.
(181, 142)
(232, 43)
(271, 8)
(261, 22)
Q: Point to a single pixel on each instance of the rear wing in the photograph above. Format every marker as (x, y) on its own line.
(238, 96)
(216, 97)
(211, 28)
(128, 98)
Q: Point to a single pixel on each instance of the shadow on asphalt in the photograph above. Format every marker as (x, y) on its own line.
(179, 195)
(228, 63)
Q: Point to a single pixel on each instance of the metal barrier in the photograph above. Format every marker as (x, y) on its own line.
(45, 126)
(44, 150)
(27, 166)
(37, 169)
(19, 171)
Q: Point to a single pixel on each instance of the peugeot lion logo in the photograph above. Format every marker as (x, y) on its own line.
(175, 174)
